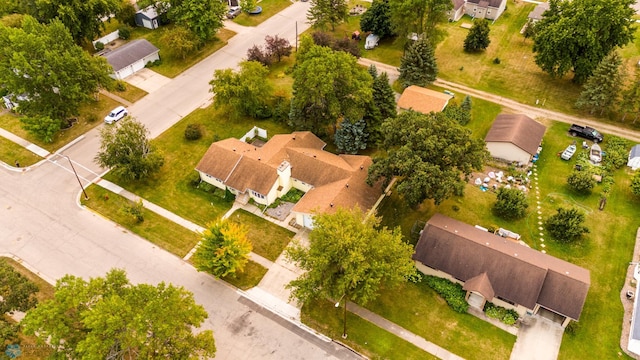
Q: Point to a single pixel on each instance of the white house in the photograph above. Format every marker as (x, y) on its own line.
(131, 57)
(288, 161)
(514, 138)
(485, 9)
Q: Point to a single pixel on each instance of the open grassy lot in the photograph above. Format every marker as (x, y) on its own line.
(363, 336)
(160, 231)
(91, 115)
(268, 239)
(170, 65)
(269, 8)
(173, 187)
(11, 152)
(131, 93)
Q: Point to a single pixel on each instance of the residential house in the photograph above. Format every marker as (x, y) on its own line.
(287, 161)
(485, 9)
(131, 57)
(502, 271)
(423, 100)
(514, 138)
(148, 17)
(457, 11)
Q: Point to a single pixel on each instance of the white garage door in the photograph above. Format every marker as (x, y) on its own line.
(123, 73)
(138, 65)
(146, 23)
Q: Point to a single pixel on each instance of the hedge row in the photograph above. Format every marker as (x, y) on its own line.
(451, 292)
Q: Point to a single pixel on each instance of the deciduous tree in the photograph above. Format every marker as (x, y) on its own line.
(510, 204)
(246, 91)
(603, 87)
(17, 293)
(126, 149)
(327, 12)
(635, 184)
(328, 86)
(202, 17)
(431, 155)
(277, 46)
(577, 35)
(581, 181)
(349, 258)
(418, 17)
(377, 19)
(111, 318)
(224, 249)
(83, 18)
(55, 76)
(630, 104)
(180, 41)
(255, 53)
(478, 37)
(567, 225)
(458, 113)
(418, 65)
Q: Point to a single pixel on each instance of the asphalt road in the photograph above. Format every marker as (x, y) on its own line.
(41, 223)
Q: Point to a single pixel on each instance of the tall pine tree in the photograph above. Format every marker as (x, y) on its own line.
(382, 107)
(351, 136)
(478, 37)
(603, 87)
(418, 65)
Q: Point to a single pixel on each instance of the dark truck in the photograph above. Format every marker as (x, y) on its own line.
(586, 132)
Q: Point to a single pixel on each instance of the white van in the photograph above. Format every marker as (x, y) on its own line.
(371, 41)
(115, 115)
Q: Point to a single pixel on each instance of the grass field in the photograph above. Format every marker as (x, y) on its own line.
(250, 277)
(131, 93)
(11, 152)
(268, 239)
(269, 8)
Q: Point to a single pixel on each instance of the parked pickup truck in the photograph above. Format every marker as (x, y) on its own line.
(586, 132)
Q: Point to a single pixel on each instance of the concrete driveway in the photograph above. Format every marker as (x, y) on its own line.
(148, 80)
(538, 339)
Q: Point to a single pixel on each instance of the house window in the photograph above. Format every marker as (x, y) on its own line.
(488, 12)
(258, 195)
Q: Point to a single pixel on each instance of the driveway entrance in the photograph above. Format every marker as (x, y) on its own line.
(538, 339)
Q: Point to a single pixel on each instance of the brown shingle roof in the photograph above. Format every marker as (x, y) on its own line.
(516, 273)
(480, 284)
(243, 166)
(518, 129)
(422, 100)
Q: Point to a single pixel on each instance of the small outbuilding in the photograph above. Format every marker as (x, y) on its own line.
(514, 138)
(148, 17)
(634, 158)
(131, 57)
(423, 100)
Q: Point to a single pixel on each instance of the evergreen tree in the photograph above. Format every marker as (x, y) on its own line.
(418, 65)
(351, 136)
(602, 89)
(478, 38)
(631, 98)
(466, 103)
(382, 107)
(323, 12)
(457, 113)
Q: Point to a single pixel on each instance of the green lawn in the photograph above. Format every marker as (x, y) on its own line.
(131, 94)
(269, 8)
(91, 115)
(250, 277)
(172, 66)
(11, 152)
(268, 239)
(173, 187)
(155, 228)
(363, 336)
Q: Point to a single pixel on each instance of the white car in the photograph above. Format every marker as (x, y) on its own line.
(115, 115)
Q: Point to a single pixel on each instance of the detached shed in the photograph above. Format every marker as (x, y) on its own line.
(634, 158)
(423, 100)
(131, 57)
(147, 17)
(514, 138)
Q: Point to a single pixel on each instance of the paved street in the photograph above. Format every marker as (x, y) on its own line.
(41, 223)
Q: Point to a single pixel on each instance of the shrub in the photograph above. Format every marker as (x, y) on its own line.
(496, 61)
(635, 184)
(124, 32)
(91, 118)
(193, 132)
(135, 210)
(617, 152)
(507, 316)
(511, 204)
(567, 225)
(99, 46)
(581, 181)
(451, 292)
(121, 86)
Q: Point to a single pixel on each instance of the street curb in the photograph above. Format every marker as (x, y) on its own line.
(29, 267)
(69, 144)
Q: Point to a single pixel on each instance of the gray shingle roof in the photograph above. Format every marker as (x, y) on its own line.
(129, 53)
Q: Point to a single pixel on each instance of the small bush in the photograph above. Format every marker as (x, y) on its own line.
(581, 181)
(507, 316)
(292, 196)
(121, 86)
(91, 118)
(496, 61)
(451, 292)
(124, 32)
(193, 132)
(99, 46)
(135, 210)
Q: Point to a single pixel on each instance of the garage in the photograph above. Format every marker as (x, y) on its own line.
(131, 57)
